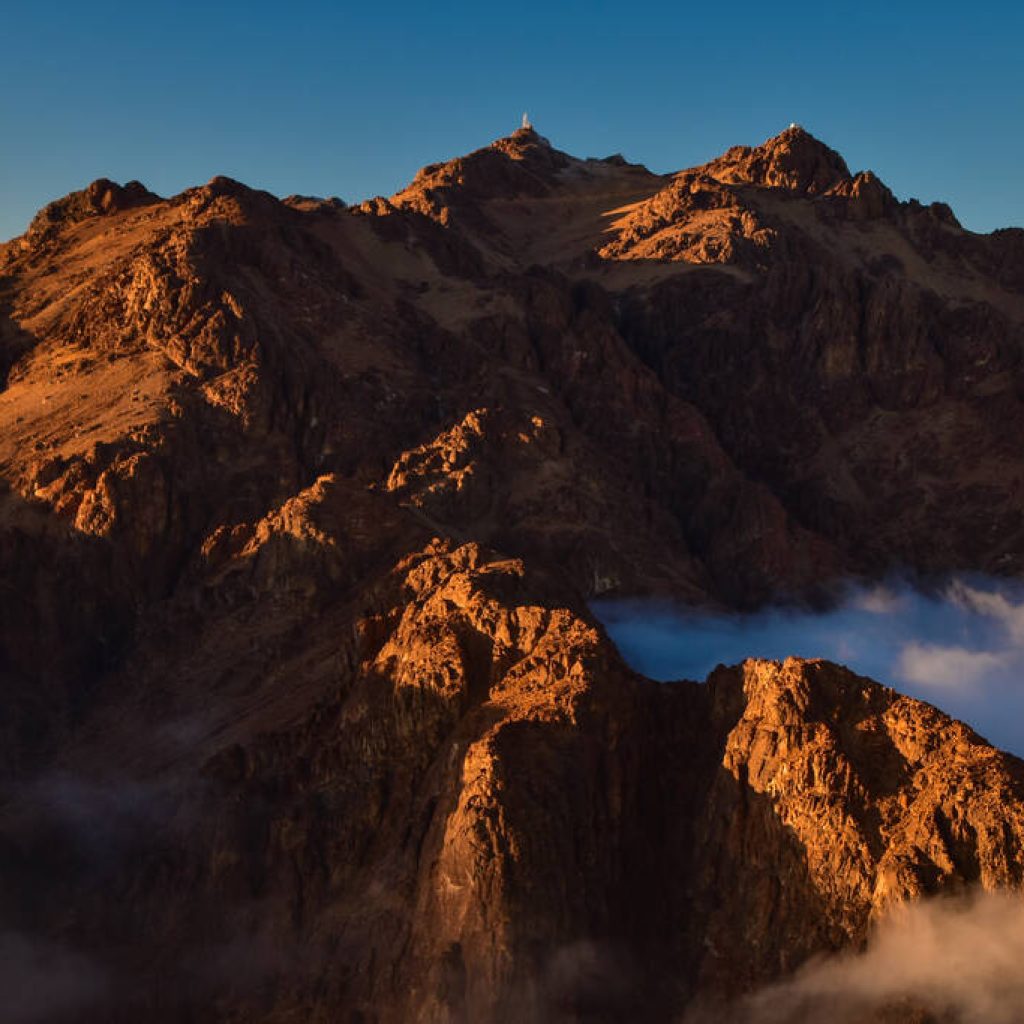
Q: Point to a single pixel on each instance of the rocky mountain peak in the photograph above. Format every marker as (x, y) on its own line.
(520, 162)
(523, 138)
(100, 198)
(523, 164)
(794, 160)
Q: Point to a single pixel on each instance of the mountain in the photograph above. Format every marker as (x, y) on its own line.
(305, 715)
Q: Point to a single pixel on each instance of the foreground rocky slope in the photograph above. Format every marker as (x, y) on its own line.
(304, 713)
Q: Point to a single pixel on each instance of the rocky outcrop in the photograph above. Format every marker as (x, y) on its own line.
(321, 725)
(102, 197)
(870, 798)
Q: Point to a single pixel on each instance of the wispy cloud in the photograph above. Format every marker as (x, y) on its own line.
(946, 667)
(992, 603)
(957, 957)
(879, 600)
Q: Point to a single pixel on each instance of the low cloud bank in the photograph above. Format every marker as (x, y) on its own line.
(956, 959)
(960, 646)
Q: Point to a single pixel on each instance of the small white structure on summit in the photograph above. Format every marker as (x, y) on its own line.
(526, 122)
(793, 126)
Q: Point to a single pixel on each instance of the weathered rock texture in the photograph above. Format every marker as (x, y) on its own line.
(304, 715)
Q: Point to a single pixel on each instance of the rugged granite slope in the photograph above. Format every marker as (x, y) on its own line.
(304, 716)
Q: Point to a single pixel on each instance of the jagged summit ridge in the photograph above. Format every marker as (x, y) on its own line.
(523, 165)
(793, 160)
(526, 165)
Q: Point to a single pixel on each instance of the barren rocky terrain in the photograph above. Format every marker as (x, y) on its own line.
(304, 713)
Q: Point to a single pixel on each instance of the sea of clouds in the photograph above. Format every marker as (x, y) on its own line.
(958, 645)
(958, 959)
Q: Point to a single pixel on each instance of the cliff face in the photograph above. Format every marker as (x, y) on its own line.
(304, 713)
(853, 352)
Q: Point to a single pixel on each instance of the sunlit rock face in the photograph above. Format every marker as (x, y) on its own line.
(305, 715)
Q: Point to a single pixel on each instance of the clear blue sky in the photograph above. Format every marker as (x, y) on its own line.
(350, 99)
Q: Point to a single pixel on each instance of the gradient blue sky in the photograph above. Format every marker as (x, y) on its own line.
(350, 99)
